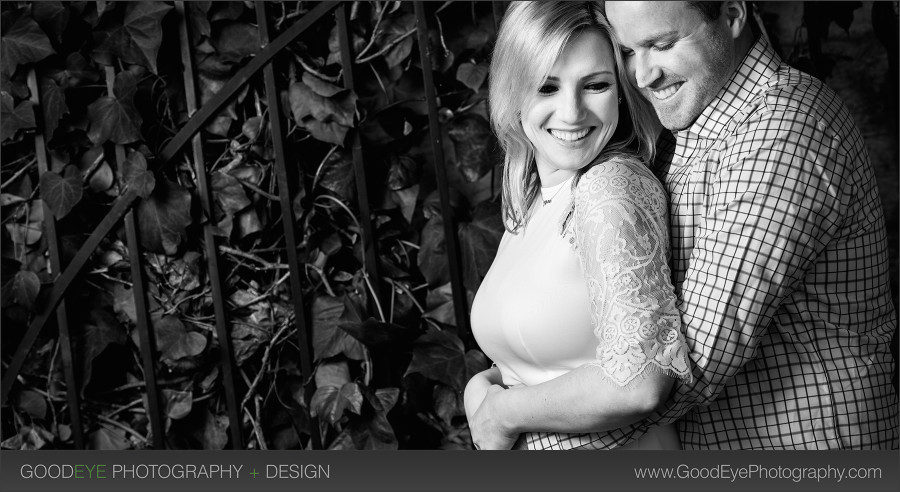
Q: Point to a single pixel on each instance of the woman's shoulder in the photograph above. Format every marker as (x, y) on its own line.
(618, 171)
(619, 164)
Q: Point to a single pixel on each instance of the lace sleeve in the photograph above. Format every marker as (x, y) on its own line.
(622, 239)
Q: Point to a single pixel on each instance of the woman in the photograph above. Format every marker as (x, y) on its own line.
(577, 310)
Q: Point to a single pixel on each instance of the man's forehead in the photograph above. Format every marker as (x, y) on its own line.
(645, 23)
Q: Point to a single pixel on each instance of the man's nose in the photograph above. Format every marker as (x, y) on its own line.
(646, 72)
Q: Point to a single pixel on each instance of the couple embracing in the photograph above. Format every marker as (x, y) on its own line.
(718, 283)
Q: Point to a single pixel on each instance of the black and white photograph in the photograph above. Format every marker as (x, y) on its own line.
(435, 226)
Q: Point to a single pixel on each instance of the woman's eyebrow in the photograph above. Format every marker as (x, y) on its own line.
(553, 78)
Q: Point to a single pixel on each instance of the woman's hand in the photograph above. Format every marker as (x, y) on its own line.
(476, 390)
(486, 423)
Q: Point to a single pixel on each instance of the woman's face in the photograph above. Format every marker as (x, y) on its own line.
(575, 111)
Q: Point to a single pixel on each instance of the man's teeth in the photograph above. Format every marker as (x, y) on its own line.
(570, 136)
(667, 92)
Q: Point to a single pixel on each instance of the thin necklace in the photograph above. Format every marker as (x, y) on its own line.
(561, 187)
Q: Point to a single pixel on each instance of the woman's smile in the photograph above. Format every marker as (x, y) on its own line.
(570, 136)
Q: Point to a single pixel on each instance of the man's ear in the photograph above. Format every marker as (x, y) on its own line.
(736, 15)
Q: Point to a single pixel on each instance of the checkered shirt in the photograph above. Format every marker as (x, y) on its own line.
(780, 265)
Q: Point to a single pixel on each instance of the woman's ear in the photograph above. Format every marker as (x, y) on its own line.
(736, 15)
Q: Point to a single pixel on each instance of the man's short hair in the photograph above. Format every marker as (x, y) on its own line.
(710, 10)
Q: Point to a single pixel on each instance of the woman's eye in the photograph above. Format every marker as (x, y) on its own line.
(598, 86)
(547, 89)
(664, 47)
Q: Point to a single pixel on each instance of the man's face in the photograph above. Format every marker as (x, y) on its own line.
(675, 57)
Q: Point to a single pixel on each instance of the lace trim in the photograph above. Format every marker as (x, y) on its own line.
(620, 233)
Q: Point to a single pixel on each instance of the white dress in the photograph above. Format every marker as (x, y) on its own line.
(598, 292)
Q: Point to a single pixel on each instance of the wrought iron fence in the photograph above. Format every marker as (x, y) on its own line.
(122, 210)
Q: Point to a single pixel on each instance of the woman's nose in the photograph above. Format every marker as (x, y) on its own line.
(572, 109)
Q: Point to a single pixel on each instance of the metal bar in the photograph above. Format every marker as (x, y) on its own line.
(229, 372)
(138, 282)
(243, 75)
(287, 218)
(56, 265)
(359, 166)
(381, 366)
(451, 239)
(125, 202)
(144, 326)
(498, 8)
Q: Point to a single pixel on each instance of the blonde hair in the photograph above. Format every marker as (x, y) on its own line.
(531, 38)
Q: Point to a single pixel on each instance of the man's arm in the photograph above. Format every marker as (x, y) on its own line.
(776, 201)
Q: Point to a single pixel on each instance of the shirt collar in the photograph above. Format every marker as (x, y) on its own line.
(751, 77)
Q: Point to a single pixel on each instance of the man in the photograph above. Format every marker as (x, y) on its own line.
(779, 250)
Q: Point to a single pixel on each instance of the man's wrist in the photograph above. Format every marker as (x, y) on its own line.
(508, 412)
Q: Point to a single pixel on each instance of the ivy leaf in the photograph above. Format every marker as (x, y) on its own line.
(319, 86)
(213, 434)
(331, 401)
(338, 176)
(178, 403)
(476, 362)
(404, 171)
(306, 101)
(62, 193)
(472, 75)
(164, 217)
(440, 355)
(432, 259)
(15, 118)
(136, 39)
(24, 42)
(246, 339)
(225, 11)
(136, 176)
(108, 439)
(52, 16)
(251, 128)
(478, 241)
(334, 373)
(14, 87)
(173, 340)
(102, 178)
(228, 193)
(474, 144)
(78, 70)
(199, 22)
(375, 334)
(184, 273)
(53, 102)
(101, 330)
(391, 31)
(32, 230)
(328, 339)
(235, 41)
(380, 429)
(447, 403)
(326, 118)
(25, 288)
(116, 118)
(123, 302)
(28, 438)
